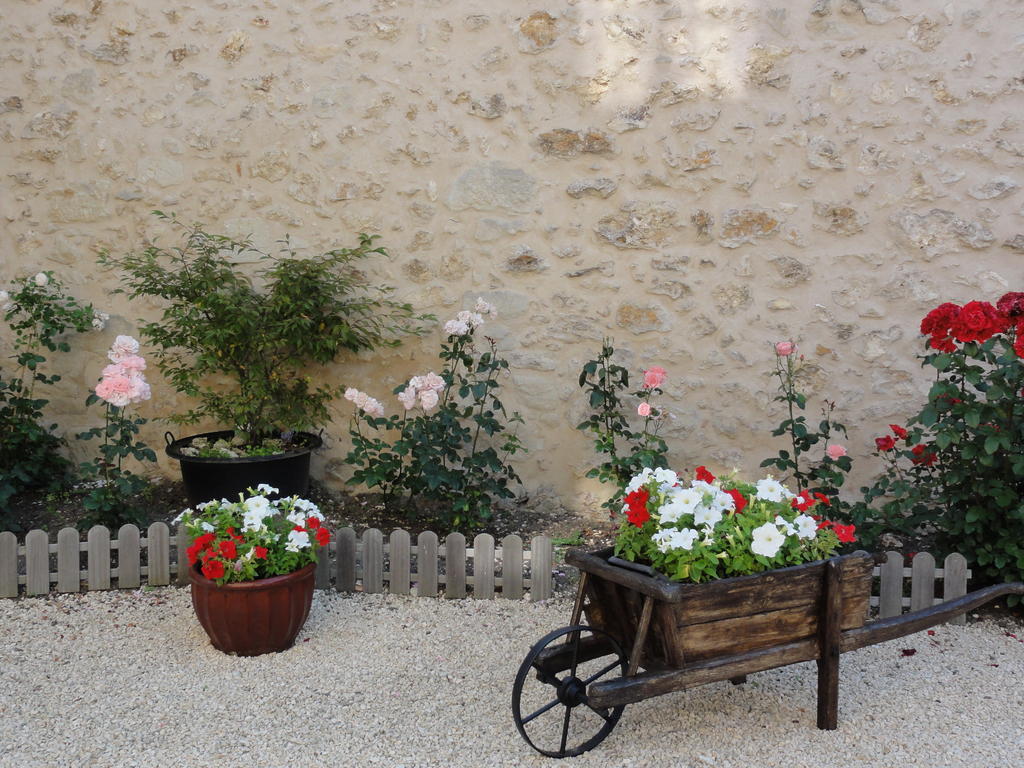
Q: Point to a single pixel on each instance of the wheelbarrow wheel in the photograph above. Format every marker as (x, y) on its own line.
(549, 696)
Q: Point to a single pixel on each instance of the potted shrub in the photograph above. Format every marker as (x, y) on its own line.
(253, 568)
(245, 343)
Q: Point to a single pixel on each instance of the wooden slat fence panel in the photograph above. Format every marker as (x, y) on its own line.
(158, 555)
(954, 581)
(8, 564)
(184, 568)
(891, 592)
(426, 564)
(373, 561)
(512, 567)
(37, 563)
(345, 560)
(68, 557)
(323, 567)
(483, 567)
(455, 566)
(540, 568)
(399, 554)
(98, 558)
(129, 566)
(922, 581)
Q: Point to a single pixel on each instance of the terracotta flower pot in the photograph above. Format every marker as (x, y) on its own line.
(250, 618)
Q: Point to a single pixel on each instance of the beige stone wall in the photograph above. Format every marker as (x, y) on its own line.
(695, 179)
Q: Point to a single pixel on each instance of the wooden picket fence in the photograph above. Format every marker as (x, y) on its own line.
(425, 569)
(923, 574)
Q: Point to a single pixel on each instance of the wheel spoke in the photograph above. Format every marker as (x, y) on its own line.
(575, 655)
(565, 731)
(541, 711)
(604, 671)
(604, 714)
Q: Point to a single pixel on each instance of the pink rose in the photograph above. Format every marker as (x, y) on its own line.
(835, 451)
(407, 397)
(133, 363)
(785, 348)
(644, 409)
(654, 377)
(428, 399)
(433, 381)
(116, 390)
(123, 346)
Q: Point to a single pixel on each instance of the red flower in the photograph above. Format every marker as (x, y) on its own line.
(899, 431)
(323, 537)
(234, 534)
(938, 323)
(260, 553)
(845, 533)
(824, 524)
(977, 321)
(920, 457)
(636, 503)
(214, 569)
(227, 549)
(298, 528)
(193, 553)
(885, 443)
(203, 541)
(704, 475)
(1018, 343)
(1011, 306)
(822, 499)
(312, 523)
(738, 500)
(803, 501)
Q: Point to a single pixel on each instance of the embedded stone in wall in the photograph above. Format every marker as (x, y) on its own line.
(600, 187)
(939, 232)
(52, 124)
(567, 144)
(642, 318)
(925, 33)
(490, 108)
(630, 119)
(995, 189)
(675, 290)
(162, 171)
(80, 202)
(79, 86)
(272, 165)
(791, 271)
(492, 60)
(619, 27)
(1015, 243)
(669, 92)
(696, 120)
(839, 218)
(704, 223)
(640, 224)
(524, 259)
(489, 230)
(236, 46)
(741, 226)
(823, 153)
(730, 298)
(493, 186)
(112, 52)
(702, 156)
(876, 159)
(417, 270)
(537, 32)
(422, 240)
(763, 63)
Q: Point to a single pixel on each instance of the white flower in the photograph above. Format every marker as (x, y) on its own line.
(472, 319)
(484, 308)
(41, 279)
(123, 346)
(723, 502)
(806, 526)
(257, 504)
(639, 480)
(428, 399)
(99, 320)
(4, 295)
(709, 516)
(688, 497)
(666, 476)
(770, 489)
(297, 540)
(351, 394)
(308, 508)
(207, 527)
(186, 511)
(267, 489)
(683, 539)
(768, 539)
(662, 539)
(785, 525)
(704, 487)
(456, 328)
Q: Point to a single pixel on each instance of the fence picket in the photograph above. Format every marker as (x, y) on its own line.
(540, 568)
(890, 593)
(8, 564)
(98, 558)
(954, 582)
(426, 564)
(68, 565)
(345, 560)
(483, 567)
(455, 566)
(323, 566)
(128, 564)
(373, 561)
(184, 541)
(158, 555)
(512, 567)
(37, 563)
(399, 556)
(922, 581)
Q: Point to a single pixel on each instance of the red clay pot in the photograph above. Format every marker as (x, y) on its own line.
(250, 618)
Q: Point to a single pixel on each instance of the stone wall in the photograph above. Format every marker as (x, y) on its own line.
(695, 179)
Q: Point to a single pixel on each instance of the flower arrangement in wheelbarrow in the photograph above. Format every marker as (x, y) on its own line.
(712, 529)
(253, 568)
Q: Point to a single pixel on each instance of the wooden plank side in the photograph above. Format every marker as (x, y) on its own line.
(922, 581)
(426, 564)
(400, 555)
(158, 555)
(345, 558)
(954, 582)
(128, 552)
(182, 542)
(890, 594)
(540, 568)
(373, 561)
(98, 558)
(8, 564)
(512, 567)
(455, 566)
(69, 568)
(483, 567)
(37, 562)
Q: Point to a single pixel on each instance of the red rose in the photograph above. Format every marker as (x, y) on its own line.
(1011, 305)
(845, 533)
(705, 476)
(636, 507)
(899, 431)
(937, 323)
(977, 321)
(214, 569)
(920, 457)
(1018, 343)
(260, 553)
(885, 443)
(227, 549)
(312, 523)
(738, 500)
(323, 537)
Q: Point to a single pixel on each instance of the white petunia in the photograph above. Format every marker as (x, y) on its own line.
(683, 539)
(806, 526)
(785, 525)
(297, 540)
(768, 539)
(704, 486)
(723, 502)
(671, 511)
(267, 489)
(663, 540)
(689, 498)
(639, 480)
(770, 489)
(295, 517)
(186, 511)
(207, 527)
(709, 516)
(666, 476)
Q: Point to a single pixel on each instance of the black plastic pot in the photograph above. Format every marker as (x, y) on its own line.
(215, 478)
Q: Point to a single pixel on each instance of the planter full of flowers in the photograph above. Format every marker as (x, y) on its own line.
(253, 568)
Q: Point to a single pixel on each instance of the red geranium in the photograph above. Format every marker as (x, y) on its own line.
(312, 523)
(260, 553)
(738, 500)
(885, 443)
(823, 523)
(845, 533)
(705, 476)
(636, 507)
(938, 323)
(822, 499)
(977, 321)
(228, 550)
(899, 431)
(323, 536)
(803, 501)
(213, 569)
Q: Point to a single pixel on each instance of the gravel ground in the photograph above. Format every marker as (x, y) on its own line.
(129, 679)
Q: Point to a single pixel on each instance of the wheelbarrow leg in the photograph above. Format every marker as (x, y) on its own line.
(828, 659)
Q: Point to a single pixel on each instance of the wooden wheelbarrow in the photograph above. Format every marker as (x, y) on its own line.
(679, 636)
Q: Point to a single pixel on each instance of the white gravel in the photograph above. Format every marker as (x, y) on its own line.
(130, 679)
